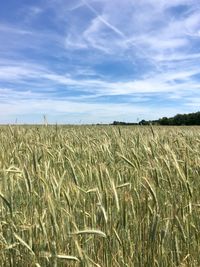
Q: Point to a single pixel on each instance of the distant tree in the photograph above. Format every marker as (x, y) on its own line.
(143, 122)
(163, 121)
(179, 119)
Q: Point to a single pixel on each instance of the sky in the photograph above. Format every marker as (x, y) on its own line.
(96, 61)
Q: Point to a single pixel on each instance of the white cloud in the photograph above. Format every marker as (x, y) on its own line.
(146, 33)
(193, 102)
(146, 27)
(35, 75)
(6, 28)
(74, 111)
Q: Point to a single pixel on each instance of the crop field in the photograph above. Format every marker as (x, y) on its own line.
(99, 196)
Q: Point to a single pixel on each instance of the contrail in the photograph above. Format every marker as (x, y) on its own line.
(120, 33)
(105, 22)
(77, 6)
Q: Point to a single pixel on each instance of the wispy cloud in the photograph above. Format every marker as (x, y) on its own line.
(64, 111)
(103, 20)
(100, 59)
(152, 83)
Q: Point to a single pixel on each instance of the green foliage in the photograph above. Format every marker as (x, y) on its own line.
(181, 119)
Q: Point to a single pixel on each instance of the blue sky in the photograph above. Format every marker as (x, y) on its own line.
(88, 61)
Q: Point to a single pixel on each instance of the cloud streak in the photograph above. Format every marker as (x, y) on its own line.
(106, 59)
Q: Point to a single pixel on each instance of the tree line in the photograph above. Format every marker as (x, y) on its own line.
(179, 119)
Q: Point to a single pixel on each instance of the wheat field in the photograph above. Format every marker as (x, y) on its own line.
(100, 196)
